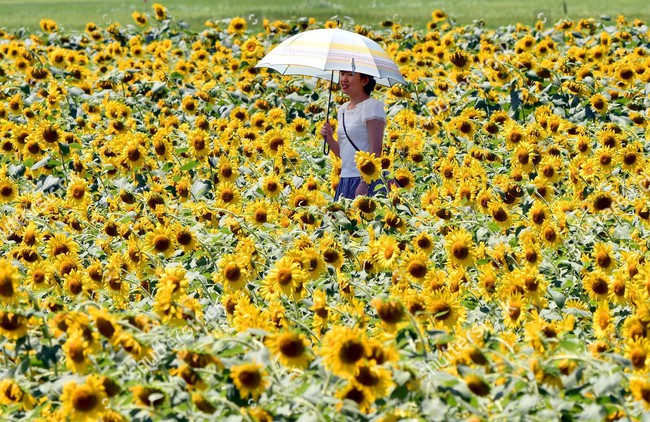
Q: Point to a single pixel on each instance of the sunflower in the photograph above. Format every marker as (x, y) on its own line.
(290, 348)
(415, 264)
(106, 324)
(404, 178)
(603, 258)
(356, 393)
(601, 200)
(237, 26)
(385, 252)
(271, 186)
(232, 272)
(199, 144)
(161, 241)
(148, 396)
(598, 103)
(445, 309)
(604, 324)
(460, 59)
(275, 142)
(186, 238)
(227, 194)
(460, 247)
(331, 251)
(344, 349)
(423, 242)
(84, 402)
(596, 284)
(640, 388)
(513, 311)
(9, 277)
(12, 326)
(8, 190)
(75, 282)
(59, 244)
(500, 214)
(390, 312)
(250, 379)
(261, 212)
(369, 166)
(76, 350)
(160, 11)
(637, 350)
(477, 385)
(12, 394)
(286, 276)
(78, 195)
(139, 18)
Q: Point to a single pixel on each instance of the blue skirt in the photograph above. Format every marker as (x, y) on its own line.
(347, 187)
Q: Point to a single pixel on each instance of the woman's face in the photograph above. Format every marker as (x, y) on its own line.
(351, 82)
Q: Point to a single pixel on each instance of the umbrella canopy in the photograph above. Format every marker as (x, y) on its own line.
(320, 52)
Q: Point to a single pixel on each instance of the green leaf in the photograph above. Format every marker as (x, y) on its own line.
(189, 166)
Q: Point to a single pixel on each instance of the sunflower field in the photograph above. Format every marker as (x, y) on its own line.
(170, 249)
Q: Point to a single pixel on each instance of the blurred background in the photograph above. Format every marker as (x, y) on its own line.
(74, 14)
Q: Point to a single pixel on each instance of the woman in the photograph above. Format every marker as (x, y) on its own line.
(361, 127)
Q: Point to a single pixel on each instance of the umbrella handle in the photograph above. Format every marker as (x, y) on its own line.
(326, 147)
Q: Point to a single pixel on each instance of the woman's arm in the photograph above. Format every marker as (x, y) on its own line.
(328, 134)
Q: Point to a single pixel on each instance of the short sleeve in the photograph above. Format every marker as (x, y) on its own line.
(373, 110)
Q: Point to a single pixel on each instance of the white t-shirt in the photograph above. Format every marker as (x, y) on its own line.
(355, 123)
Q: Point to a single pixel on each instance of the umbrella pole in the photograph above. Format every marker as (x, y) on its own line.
(326, 148)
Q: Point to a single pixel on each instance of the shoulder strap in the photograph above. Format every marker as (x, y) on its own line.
(346, 133)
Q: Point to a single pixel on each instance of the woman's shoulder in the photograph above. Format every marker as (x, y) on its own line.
(373, 104)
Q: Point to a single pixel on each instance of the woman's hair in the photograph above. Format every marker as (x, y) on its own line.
(370, 86)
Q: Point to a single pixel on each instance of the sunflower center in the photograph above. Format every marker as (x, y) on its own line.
(368, 168)
(184, 238)
(531, 284)
(424, 243)
(460, 250)
(550, 235)
(260, 215)
(390, 312)
(500, 215)
(105, 327)
(199, 144)
(366, 377)
(276, 144)
(84, 400)
(514, 312)
(6, 286)
(133, 154)
(291, 346)
(603, 260)
(162, 243)
(417, 269)
(531, 256)
(539, 216)
(440, 310)
(351, 351)
(630, 158)
(284, 276)
(250, 379)
(227, 195)
(10, 321)
(232, 272)
(78, 192)
(600, 286)
(330, 256)
(6, 190)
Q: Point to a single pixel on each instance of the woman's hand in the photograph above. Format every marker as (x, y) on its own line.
(362, 189)
(327, 132)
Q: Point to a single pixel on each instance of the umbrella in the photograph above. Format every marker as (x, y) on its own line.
(321, 52)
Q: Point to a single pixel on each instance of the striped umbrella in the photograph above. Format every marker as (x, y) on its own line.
(323, 52)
